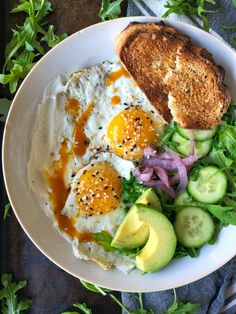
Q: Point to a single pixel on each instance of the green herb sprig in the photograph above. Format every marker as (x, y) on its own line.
(25, 46)
(132, 189)
(8, 296)
(178, 307)
(110, 9)
(191, 8)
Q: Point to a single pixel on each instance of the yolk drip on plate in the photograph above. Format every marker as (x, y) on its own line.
(72, 106)
(81, 141)
(59, 193)
(130, 132)
(98, 190)
(115, 100)
(114, 76)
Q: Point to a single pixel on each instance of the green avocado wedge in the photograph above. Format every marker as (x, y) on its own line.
(149, 198)
(161, 244)
(132, 233)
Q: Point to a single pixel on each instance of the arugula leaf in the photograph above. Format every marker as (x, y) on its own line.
(94, 288)
(24, 48)
(110, 9)
(52, 39)
(105, 239)
(182, 251)
(190, 8)
(225, 214)
(82, 306)
(7, 207)
(179, 307)
(194, 174)
(5, 105)
(132, 189)
(8, 296)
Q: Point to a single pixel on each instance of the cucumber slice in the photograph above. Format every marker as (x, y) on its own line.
(201, 148)
(183, 199)
(193, 227)
(199, 135)
(210, 187)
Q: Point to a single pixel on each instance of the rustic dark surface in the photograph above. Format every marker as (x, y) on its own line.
(51, 289)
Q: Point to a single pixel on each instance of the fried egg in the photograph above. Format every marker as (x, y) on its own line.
(95, 204)
(106, 110)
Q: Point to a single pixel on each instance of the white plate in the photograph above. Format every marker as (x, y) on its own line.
(89, 47)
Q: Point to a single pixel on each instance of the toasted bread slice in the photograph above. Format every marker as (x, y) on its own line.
(197, 95)
(152, 51)
(148, 51)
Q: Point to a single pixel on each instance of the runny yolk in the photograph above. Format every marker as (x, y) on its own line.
(114, 76)
(115, 100)
(72, 106)
(98, 190)
(81, 141)
(59, 193)
(130, 132)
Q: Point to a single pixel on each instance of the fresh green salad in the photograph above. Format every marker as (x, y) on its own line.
(191, 181)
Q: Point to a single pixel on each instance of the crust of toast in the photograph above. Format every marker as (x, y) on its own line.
(179, 78)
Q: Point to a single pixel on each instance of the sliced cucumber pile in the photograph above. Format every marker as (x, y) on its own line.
(193, 226)
(210, 187)
(201, 148)
(199, 135)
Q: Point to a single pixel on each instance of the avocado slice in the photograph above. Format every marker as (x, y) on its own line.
(161, 244)
(149, 198)
(133, 233)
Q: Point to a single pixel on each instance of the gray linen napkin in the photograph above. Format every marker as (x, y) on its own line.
(217, 292)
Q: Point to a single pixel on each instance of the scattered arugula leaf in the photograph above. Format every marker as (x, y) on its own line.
(94, 288)
(8, 296)
(7, 208)
(24, 48)
(51, 39)
(190, 8)
(5, 105)
(82, 306)
(110, 9)
(104, 239)
(179, 307)
(132, 189)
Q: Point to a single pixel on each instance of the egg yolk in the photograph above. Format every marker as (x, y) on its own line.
(130, 132)
(81, 141)
(115, 100)
(98, 190)
(114, 76)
